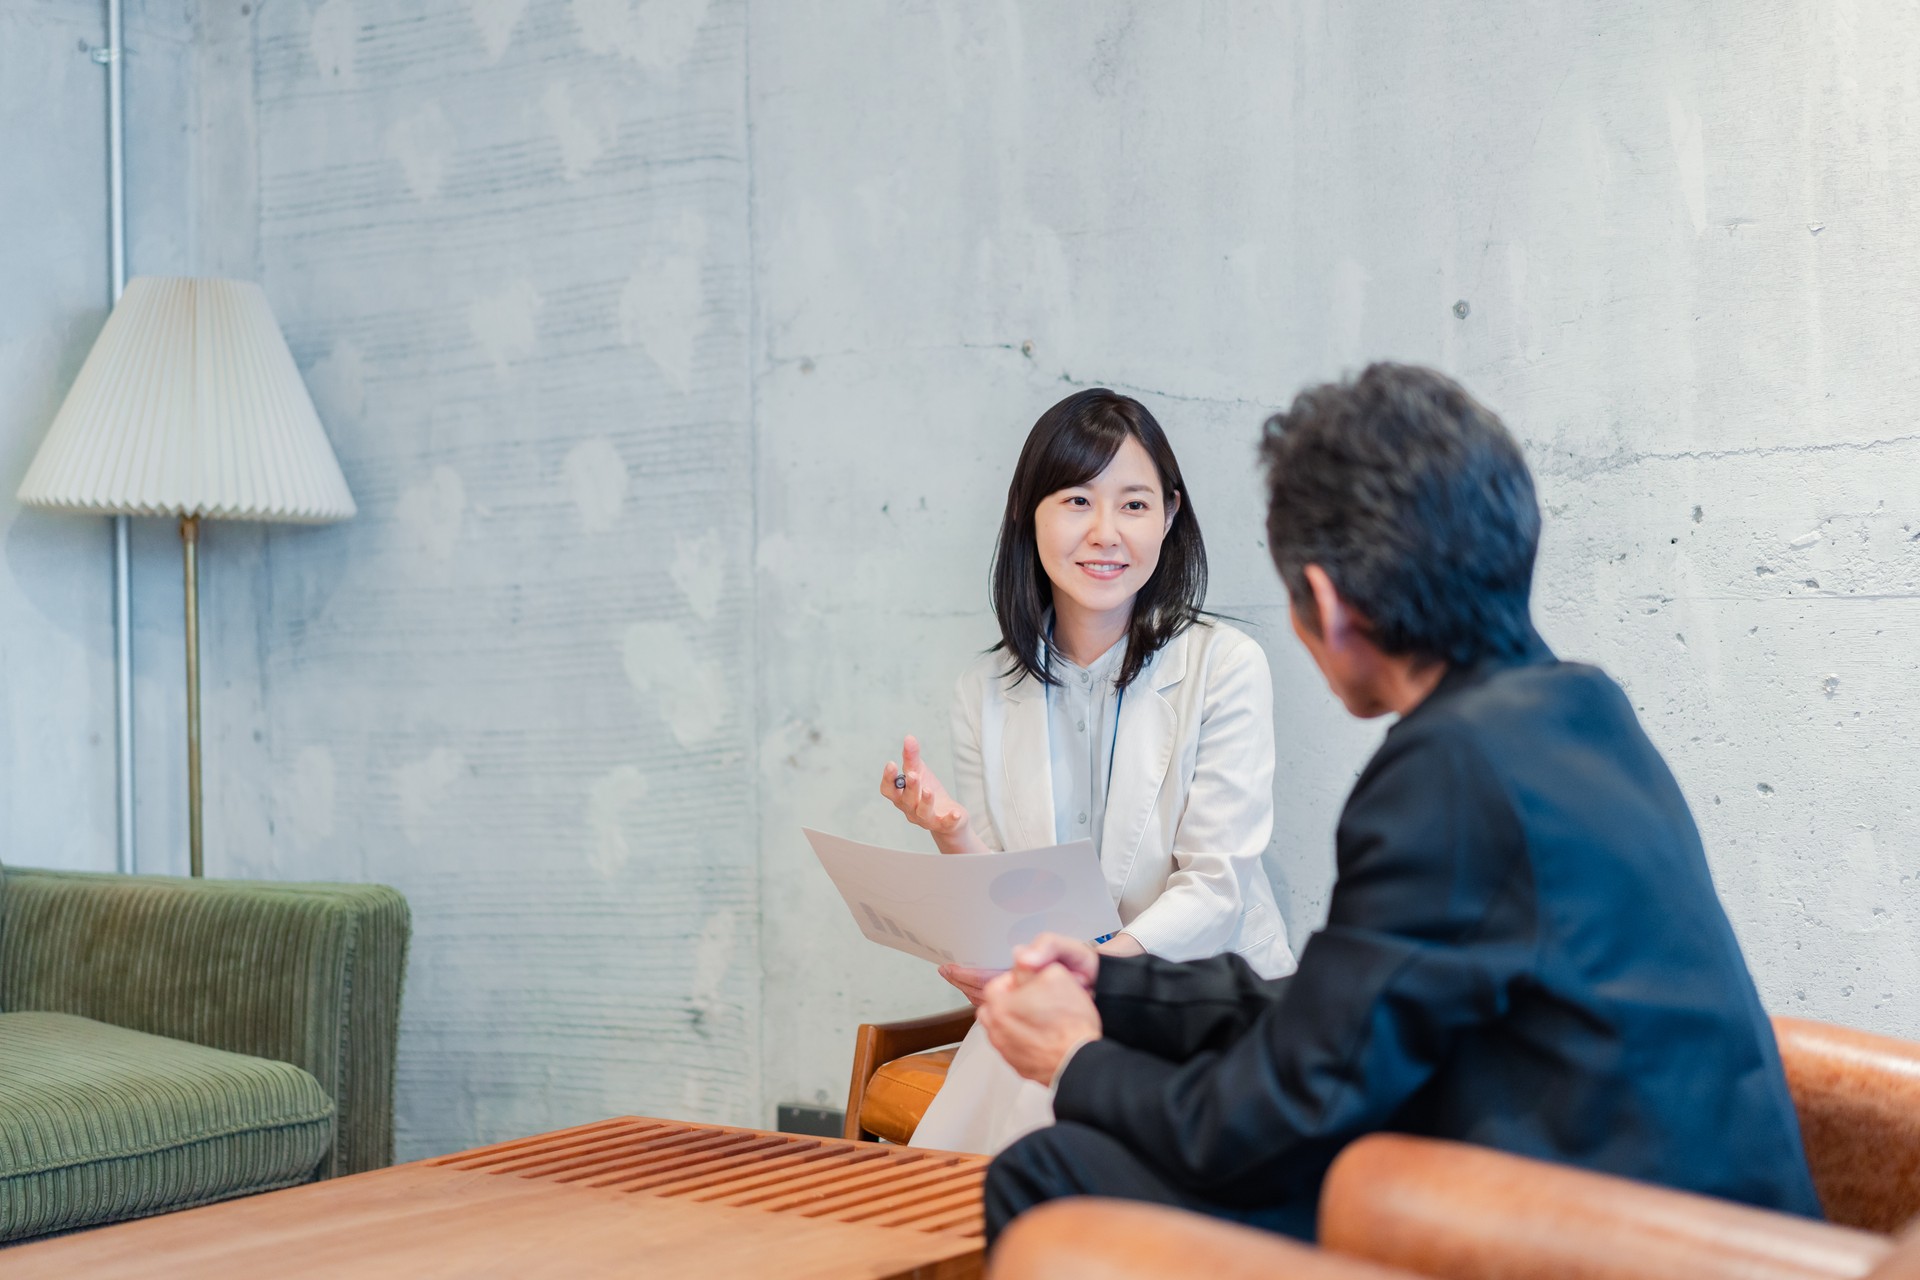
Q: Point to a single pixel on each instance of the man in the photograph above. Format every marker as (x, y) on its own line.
(1523, 949)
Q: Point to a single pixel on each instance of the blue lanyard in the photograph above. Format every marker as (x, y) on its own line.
(1113, 743)
(1119, 700)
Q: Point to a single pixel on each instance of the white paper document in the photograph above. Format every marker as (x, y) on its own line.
(971, 908)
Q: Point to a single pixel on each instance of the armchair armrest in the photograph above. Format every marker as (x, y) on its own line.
(1904, 1262)
(1460, 1212)
(1084, 1239)
(1858, 1096)
(303, 973)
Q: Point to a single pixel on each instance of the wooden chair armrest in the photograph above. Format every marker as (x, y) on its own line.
(1459, 1212)
(917, 1035)
(1088, 1239)
(878, 1043)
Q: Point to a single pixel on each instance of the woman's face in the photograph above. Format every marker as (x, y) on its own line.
(1100, 541)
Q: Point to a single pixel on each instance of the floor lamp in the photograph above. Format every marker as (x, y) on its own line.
(190, 405)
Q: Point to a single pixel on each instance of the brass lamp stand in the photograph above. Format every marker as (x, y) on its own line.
(190, 405)
(190, 554)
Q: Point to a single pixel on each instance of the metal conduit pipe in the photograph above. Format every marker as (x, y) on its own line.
(113, 58)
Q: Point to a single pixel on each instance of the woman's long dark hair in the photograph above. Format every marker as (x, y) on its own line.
(1071, 444)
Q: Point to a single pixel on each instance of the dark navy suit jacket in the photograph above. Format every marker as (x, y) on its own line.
(1523, 950)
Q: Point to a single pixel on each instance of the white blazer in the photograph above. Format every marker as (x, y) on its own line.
(1190, 804)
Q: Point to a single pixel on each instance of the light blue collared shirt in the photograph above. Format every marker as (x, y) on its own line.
(1083, 713)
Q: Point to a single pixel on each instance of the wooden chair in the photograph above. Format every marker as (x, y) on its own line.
(897, 1068)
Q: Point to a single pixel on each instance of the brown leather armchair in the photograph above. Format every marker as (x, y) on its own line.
(1398, 1207)
(1417, 1206)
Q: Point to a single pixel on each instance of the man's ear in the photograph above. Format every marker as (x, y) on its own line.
(1336, 619)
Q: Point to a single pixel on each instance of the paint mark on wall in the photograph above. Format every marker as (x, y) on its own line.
(612, 803)
(584, 127)
(433, 512)
(778, 557)
(712, 956)
(699, 569)
(1349, 311)
(1872, 882)
(338, 381)
(423, 144)
(496, 20)
(423, 787)
(661, 304)
(597, 479)
(303, 800)
(506, 325)
(689, 688)
(655, 34)
(1690, 154)
(331, 38)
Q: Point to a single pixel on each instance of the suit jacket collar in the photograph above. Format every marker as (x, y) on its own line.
(1463, 676)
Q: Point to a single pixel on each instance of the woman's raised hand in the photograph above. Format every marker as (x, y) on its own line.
(925, 802)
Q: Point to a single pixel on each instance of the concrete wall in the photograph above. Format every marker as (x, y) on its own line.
(508, 245)
(1681, 235)
(678, 354)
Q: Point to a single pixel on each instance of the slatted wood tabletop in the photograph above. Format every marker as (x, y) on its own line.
(824, 1178)
(628, 1196)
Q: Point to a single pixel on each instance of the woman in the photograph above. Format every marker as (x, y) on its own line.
(1111, 710)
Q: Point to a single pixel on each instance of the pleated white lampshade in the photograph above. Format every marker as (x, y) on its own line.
(190, 404)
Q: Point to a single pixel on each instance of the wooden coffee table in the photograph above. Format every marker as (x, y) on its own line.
(629, 1196)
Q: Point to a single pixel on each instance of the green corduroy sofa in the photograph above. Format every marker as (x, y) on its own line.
(167, 1043)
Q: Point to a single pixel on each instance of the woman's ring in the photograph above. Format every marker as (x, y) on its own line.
(900, 782)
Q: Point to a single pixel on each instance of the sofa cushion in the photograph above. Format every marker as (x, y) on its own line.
(98, 1123)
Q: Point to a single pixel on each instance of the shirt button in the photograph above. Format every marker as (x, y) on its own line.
(1084, 677)
(1083, 819)
(1083, 726)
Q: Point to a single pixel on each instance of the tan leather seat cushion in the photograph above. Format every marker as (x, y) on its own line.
(900, 1091)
